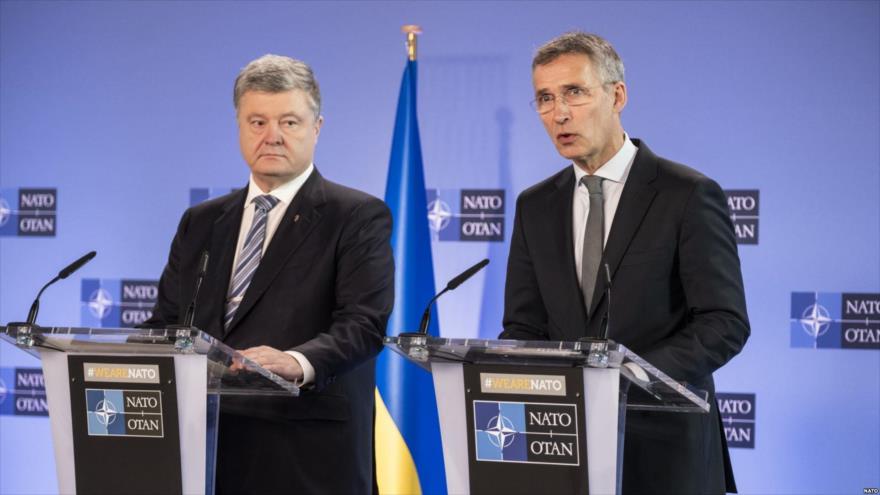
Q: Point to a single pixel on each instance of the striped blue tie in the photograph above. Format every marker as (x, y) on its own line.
(250, 255)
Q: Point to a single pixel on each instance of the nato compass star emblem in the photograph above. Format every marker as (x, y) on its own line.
(501, 431)
(5, 212)
(3, 391)
(439, 215)
(100, 303)
(815, 320)
(106, 412)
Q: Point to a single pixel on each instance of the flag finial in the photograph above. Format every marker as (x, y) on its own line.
(411, 30)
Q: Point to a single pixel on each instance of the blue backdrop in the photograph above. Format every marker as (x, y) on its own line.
(124, 108)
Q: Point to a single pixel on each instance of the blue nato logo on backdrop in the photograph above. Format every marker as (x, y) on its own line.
(23, 392)
(115, 303)
(835, 320)
(28, 212)
(201, 194)
(738, 417)
(526, 432)
(466, 214)
(743, 206)
(453, 214)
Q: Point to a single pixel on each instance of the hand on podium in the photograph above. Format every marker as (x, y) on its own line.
(278, 362)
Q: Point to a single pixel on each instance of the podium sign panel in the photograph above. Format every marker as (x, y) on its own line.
(124, 413)
(135, 411)
(510, 409)
(525, 430)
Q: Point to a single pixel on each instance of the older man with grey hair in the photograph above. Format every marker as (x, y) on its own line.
(663, 232)
(301, 279)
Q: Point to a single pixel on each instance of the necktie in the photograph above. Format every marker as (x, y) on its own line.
(250, 255)
(593, 239)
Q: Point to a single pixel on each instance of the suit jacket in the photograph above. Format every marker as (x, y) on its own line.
(325, 288)
(678, 302)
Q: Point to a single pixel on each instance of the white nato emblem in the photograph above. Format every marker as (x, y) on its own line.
(501, 431)
(3, 391)
(106, 412)
(100, 303)
(439, 215)
(5, 212)
(815, 320)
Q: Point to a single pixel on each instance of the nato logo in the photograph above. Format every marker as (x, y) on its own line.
(115, 303)
(28, 212)
(835, 320)
(466, 214)
(526, 432)
(23, 392)
(124, 413)
(738, 416)
(201, 194)
(7, 391)
(743, 206)
(5, 212)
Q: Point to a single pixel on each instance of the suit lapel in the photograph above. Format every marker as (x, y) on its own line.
(634, 202)
(299, 220)
(562, 254)
(224, 237)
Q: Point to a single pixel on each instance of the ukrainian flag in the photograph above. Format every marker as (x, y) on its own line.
(409, 456)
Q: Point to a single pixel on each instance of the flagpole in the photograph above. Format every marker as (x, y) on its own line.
(409, 453)
(412, 31)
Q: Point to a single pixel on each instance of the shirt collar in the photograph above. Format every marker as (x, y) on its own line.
(285, 192)
(614, 169)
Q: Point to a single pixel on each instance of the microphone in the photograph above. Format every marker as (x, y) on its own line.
(200, 276)
(603, 334)
(452, 285)
(461, 278)
(64, 273)
(597, 355)
(603, 325)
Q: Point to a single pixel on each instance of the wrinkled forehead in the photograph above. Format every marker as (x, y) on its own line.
(565, 71)
(296, 101)
(290, 102)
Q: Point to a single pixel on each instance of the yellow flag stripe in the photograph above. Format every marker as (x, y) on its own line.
(395, 470)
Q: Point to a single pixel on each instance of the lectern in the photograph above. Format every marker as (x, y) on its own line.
(539, 417)
(136, 410)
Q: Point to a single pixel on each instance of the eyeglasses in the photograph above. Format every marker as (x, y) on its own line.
(573, 97)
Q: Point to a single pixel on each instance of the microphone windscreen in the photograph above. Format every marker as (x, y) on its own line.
(76, 265)
(466, 274)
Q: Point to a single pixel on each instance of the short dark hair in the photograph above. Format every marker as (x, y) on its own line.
(600, 51)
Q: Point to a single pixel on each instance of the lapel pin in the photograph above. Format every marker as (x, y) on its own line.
(296, 218)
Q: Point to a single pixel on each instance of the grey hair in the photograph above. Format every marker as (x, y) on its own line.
(277, 74)
(600, 51)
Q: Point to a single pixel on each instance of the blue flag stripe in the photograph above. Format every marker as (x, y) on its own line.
(407, 390)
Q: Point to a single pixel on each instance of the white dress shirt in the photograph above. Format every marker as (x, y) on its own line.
(285, 194)
(614, 171)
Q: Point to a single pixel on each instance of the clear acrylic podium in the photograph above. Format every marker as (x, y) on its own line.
(203, 370)
(605, 396)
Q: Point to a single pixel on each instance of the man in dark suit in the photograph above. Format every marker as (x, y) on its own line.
(301, 279)
(663, 230)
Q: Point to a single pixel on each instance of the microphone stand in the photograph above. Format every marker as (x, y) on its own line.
(452, 285)
(597, 347)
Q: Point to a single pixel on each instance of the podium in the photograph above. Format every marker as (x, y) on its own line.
(137, 410)
(538, 416)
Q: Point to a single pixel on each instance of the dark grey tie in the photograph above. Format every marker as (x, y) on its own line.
(593, 239)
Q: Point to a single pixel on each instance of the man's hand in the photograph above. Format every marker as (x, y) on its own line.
(278, 362)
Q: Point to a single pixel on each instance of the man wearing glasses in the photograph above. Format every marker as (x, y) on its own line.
(664, 233)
